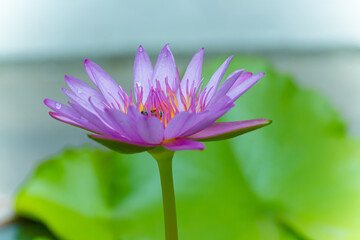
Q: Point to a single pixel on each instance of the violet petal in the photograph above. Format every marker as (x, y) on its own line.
(143, 72)
(94, 119)
(61, 108)
(179, 124)
(81, 124)
(82, 89)
(235, 93)
(151, 129)
(224, 88)
(108, 87)
(127, 123)
(214, 111)
(224, 130)
(242, 78)
(215, 79)
(180, 144)
(165, 68)
(192, 75)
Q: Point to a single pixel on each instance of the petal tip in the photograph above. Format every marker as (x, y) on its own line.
(264, 121)
(140, 49)
(228, 60)
(166, 48)
(49, 102)
(165, 52)
(53, 115)
(200, 52)
(67, 78)
(88, 62)
(201, 148)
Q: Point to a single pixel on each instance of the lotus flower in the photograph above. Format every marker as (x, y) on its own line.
(161, 110)
(161, 115)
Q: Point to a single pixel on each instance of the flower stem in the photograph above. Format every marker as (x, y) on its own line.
(164, 159)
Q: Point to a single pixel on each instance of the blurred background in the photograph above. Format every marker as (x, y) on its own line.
(42, 40)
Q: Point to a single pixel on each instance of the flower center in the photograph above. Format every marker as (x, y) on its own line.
(166, 103)
(159, 103)
(153, 112)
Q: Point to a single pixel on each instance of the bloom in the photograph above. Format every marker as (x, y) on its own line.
(161, 109)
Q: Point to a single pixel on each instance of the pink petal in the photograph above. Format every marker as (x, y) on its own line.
(65, 119)
(83, 92)
(179, 124)
(82, 89)
(83, 103)
(192, 76)
(215, 80)
(165, 68)
(213, 112)
(69, 115)
(242, 78)
(180, 144)
(143, 72)
(150, 129)
(61, 108)
(108, 87)
(126, 123)
(94, 119)
(224, 88)
(136, 127)
(224, 130)
(105, 118)
(235, 93)
(81, 124)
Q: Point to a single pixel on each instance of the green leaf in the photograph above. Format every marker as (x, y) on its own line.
(303, 163)
(117, 146)
(295, 179)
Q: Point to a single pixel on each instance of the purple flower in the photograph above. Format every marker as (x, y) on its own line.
(161, 110)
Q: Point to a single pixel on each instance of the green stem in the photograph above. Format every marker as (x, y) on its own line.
(164, 159)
